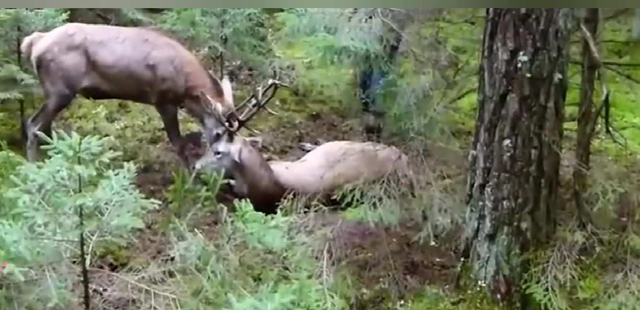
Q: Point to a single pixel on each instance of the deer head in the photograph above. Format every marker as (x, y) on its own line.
(224, 145)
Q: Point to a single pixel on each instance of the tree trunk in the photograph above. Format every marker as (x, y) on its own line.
(586, 117)
(515, 157)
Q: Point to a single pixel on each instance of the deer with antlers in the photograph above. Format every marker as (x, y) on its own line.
(128, 63)
(323, 170)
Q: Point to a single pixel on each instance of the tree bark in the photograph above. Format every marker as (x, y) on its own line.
(586, 117)
(515, 156)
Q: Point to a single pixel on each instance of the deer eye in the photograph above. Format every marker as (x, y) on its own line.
(217, 153)
(215, 137)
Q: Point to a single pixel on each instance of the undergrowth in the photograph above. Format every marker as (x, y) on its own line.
(39, 222)
(595, 268)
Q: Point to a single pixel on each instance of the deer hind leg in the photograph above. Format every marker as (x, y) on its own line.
(55, 102)
(169, 115)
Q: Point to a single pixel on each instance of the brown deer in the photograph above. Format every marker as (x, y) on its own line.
(128, 63)
(323, 170)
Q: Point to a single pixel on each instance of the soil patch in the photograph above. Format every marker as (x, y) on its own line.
(387, 264)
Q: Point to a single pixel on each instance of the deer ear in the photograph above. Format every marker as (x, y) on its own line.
(211, 103)
(236, 152)
(255, 142)
(227, 92)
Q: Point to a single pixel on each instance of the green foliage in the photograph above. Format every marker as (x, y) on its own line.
(435, 98)
(245, 30)
(563, 279)
(184, 195)
(622, 83)
(15, 24)
(435, 298)
(9, 162)
(257, 262)
(28, 20)
(135, 128)
(326, 48)
(334, 35)
(39, 225)
(375, 203)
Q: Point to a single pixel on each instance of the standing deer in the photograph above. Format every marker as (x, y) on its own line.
(136, 64)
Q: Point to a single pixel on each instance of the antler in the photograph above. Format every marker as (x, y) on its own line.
(254, 103)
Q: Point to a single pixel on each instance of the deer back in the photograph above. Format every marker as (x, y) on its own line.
(129, 63)
(335, 164)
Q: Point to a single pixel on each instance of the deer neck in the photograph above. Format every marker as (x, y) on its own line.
(256, 180)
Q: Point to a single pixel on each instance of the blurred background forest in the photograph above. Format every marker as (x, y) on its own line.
(157, 238)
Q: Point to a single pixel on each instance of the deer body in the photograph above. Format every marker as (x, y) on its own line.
(338, 163)
(321, 171)
(136, 64)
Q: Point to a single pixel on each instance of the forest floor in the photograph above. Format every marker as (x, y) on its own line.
(385, 261)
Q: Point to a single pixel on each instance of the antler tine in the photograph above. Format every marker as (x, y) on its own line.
(259, 99)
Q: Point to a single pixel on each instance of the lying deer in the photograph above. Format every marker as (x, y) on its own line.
(323, 170)
(136, 64)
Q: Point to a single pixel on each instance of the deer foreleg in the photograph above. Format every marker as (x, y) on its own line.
(169, 115)
(42, 120)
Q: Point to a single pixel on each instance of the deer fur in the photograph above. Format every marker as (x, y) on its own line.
(323, 170)
(128, 63)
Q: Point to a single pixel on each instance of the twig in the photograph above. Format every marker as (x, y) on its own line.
(52, 239)
(622, 74)
(617, 14)
(610, 41)
(392, 263)
(83, 257)
(611, 63)
(607, 121)
(592, 45)
(622, 64)
(324, 270)
(135, 283)
(605, 98)
(463, 94)
(404, 37)
(15, 300)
